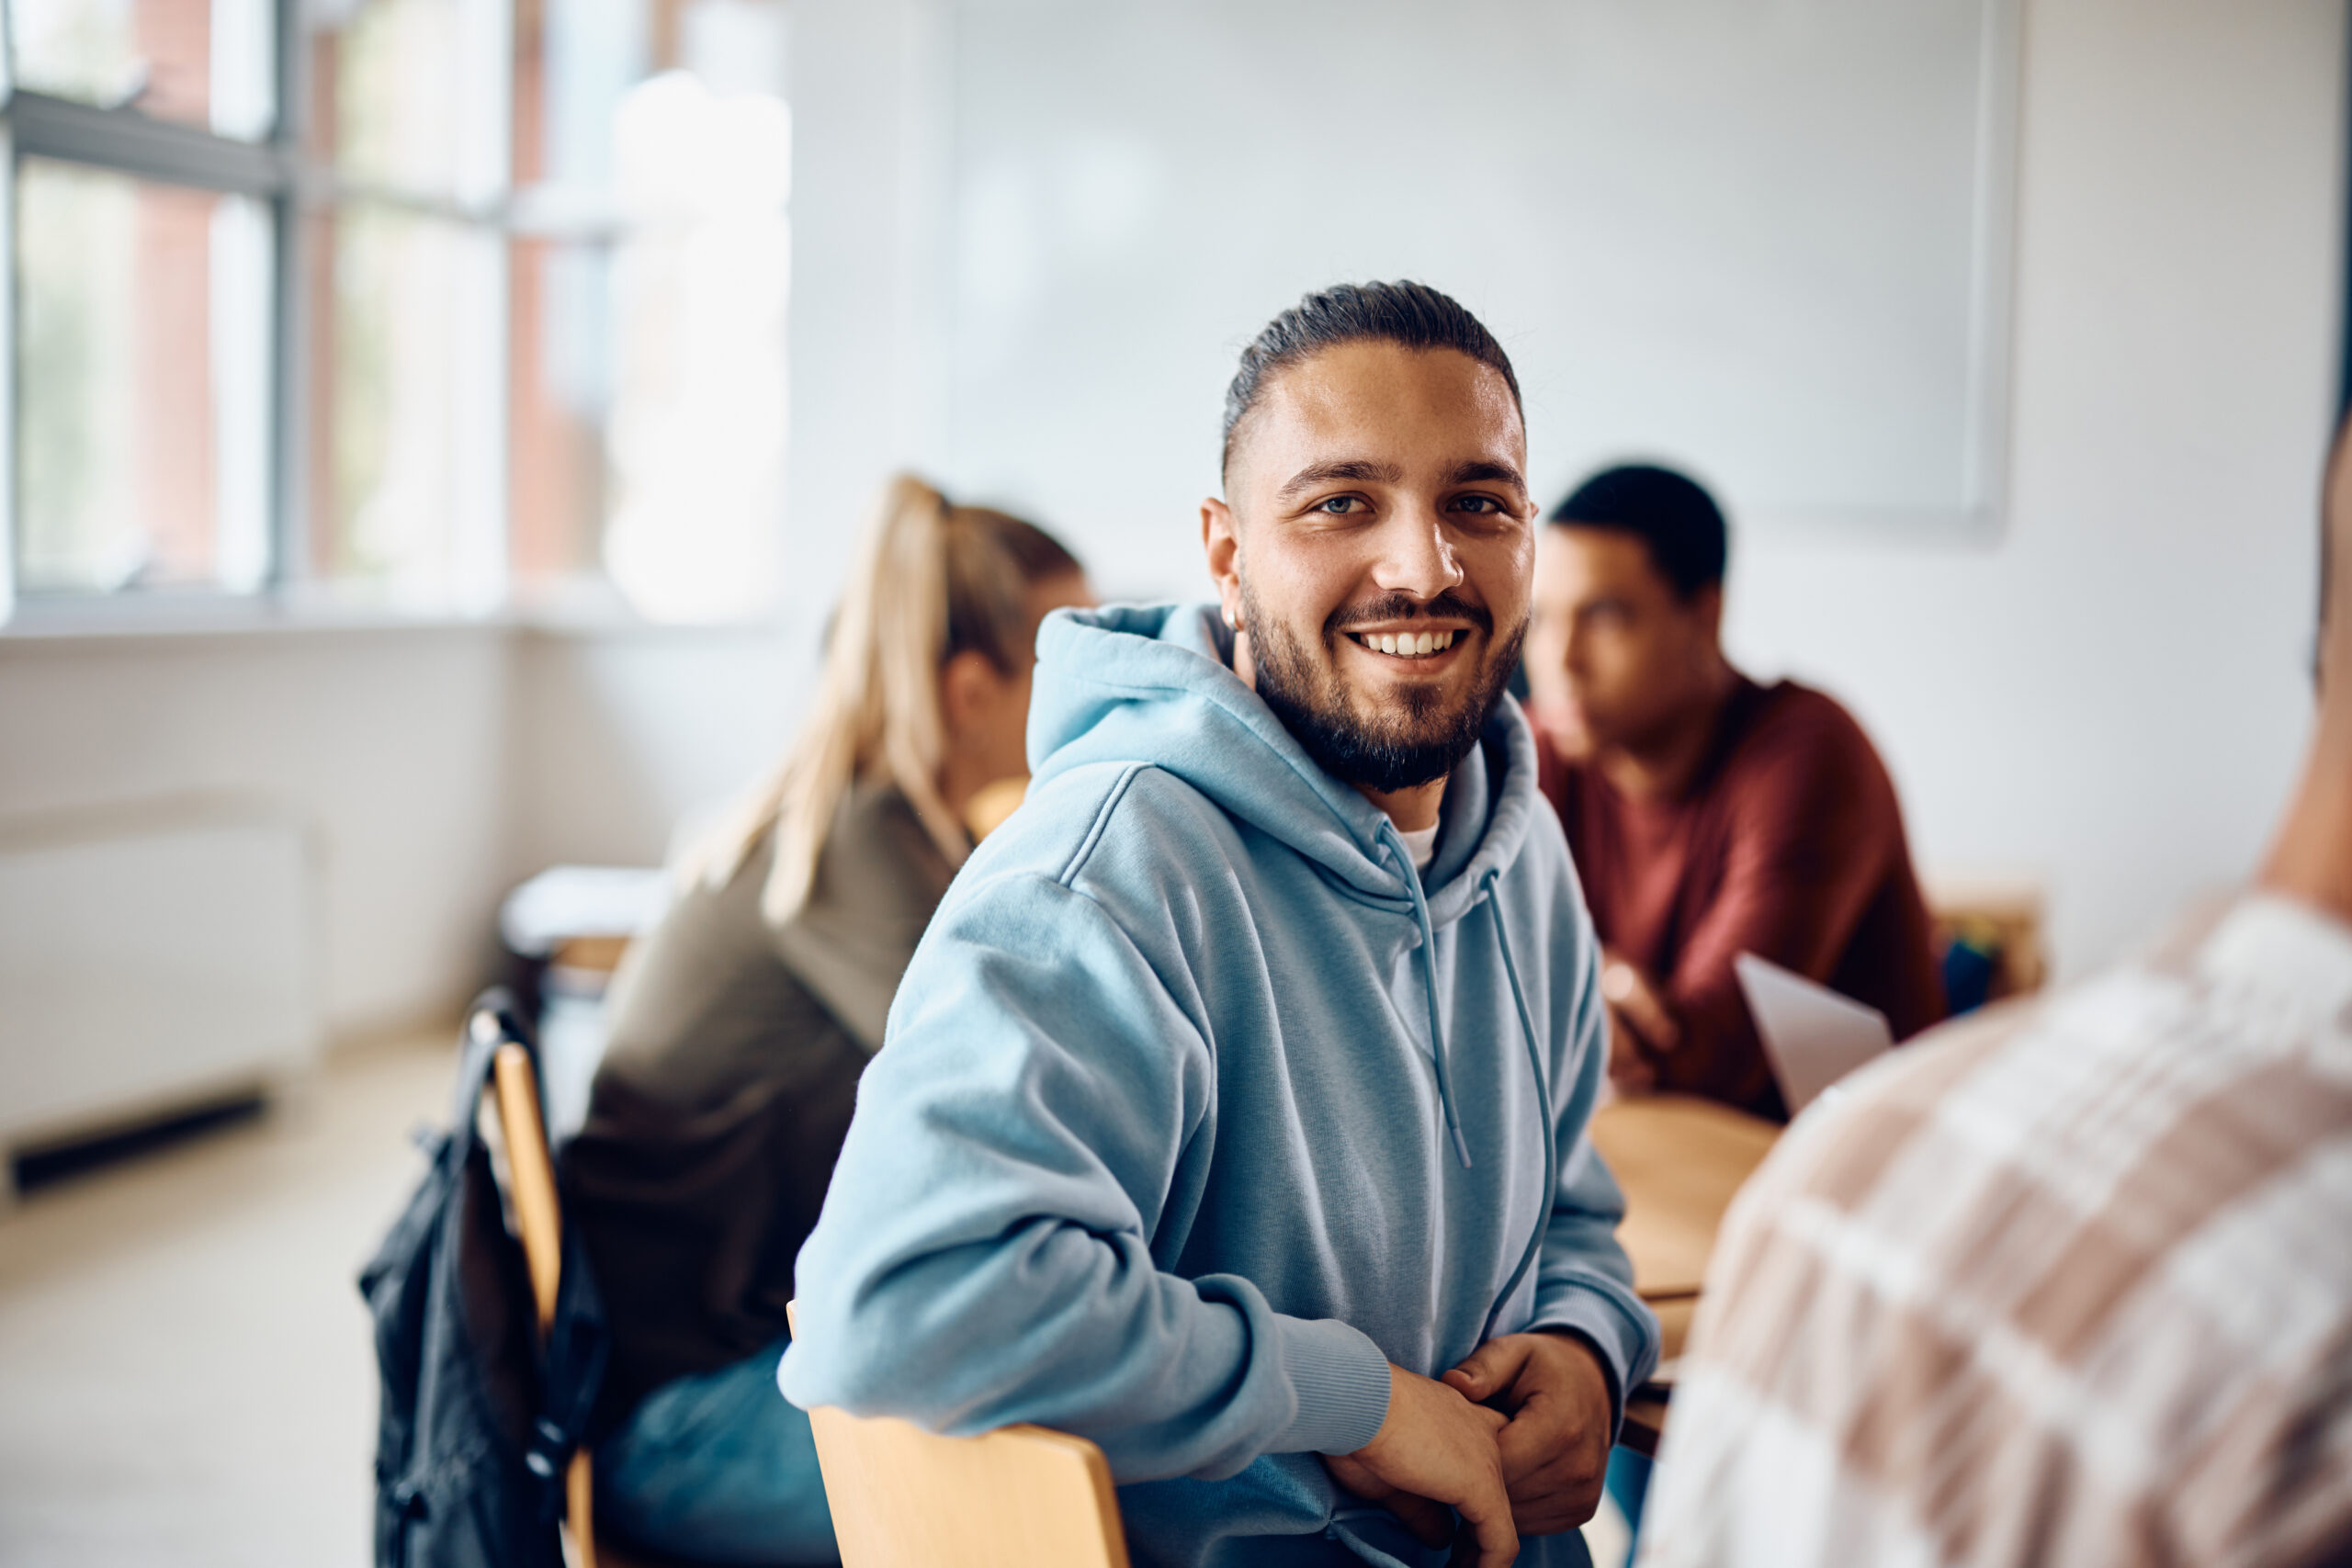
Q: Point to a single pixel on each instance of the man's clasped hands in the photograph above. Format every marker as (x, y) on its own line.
(1516, 1439)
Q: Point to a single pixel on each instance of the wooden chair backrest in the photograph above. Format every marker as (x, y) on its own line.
(530, 1168)
(1018, 1497)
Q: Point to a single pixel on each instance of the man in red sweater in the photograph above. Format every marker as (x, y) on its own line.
(1709, 816)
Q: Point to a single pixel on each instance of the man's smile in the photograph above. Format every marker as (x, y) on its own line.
(1406, 644)
(1426, 647)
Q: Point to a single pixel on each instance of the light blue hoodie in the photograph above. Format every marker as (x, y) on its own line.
(1198, 1106)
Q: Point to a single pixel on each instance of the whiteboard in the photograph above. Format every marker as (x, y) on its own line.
(1764, 239)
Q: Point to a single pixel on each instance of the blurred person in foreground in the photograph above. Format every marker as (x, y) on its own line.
(2071, 1285)
(1708, 816)
(741, 1025)
(1233, 1111)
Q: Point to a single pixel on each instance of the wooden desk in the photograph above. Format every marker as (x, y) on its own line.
(1679, 1159)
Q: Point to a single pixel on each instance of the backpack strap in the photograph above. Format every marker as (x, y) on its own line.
(578, 1345)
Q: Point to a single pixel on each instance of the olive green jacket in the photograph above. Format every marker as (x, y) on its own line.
(727, 1089)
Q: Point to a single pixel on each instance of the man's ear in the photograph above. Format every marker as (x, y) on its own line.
(1221, 542)
(1707, 604)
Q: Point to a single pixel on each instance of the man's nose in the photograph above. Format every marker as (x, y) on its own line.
(1416, 557)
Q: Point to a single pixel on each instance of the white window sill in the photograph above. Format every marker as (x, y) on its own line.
(117, 620)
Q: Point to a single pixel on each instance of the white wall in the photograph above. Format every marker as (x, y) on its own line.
(2114, 696)
(866, 210)
(389, 746)
(619, 735)
(433, 767)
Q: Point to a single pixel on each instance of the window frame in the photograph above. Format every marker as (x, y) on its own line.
(276, 171)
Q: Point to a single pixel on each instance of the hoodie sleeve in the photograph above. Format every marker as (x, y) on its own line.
(984, 1254)
(1585, 1281)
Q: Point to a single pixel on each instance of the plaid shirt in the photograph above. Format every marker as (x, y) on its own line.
(2067, 1284)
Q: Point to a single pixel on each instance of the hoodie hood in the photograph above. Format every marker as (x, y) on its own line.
(1155, 685)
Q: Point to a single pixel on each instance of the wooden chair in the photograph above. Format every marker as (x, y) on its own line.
(1020, 1497)
(1678, 1161)
(514, 1089)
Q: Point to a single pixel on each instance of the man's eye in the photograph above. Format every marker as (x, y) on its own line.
(1339, 505)
(1487, 504)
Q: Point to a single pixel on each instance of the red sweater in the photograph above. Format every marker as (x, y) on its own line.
(1789, 844)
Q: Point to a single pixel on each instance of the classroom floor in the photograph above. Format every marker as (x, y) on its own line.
(186, 1378)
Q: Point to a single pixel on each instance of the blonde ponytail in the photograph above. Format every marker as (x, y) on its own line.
(931, 577)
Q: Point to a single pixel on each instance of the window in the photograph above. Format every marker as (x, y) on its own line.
(428, 305)
(647, 286)
(141, 383)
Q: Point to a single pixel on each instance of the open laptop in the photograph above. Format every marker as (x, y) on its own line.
(1812, 1035)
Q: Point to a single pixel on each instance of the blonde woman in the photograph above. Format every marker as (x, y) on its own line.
(741, 1025)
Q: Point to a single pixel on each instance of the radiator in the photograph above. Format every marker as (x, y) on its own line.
(151, 958)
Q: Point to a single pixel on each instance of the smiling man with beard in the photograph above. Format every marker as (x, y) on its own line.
(1232, 1111)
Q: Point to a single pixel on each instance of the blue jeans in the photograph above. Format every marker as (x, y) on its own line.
(718, 1468)
(1629, 1488)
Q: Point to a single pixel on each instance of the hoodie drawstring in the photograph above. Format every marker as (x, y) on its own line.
(1534, 1040)
(1542, 1098)
(1429, 977)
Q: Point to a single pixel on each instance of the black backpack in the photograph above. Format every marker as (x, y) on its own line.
(477, 1422)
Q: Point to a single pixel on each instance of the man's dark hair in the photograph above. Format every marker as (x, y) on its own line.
(1412, 315)
(1671, 513)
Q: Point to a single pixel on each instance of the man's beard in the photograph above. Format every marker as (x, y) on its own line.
(1419, 743)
